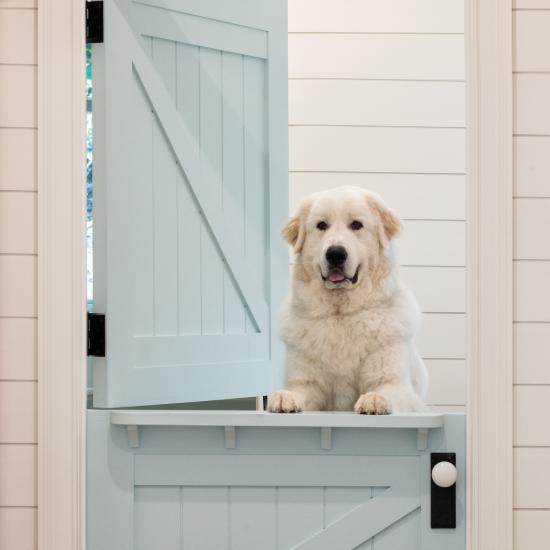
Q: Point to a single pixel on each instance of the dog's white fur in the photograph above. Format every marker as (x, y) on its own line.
(349, 345)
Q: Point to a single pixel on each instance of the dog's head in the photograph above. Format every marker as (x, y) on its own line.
(340, 235)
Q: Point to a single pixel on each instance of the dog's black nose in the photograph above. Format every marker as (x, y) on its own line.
(336, 255)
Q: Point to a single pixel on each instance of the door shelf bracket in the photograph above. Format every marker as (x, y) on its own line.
(133, 436)
(422, 439)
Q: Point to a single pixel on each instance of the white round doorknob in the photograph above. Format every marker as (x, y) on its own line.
(444, 474)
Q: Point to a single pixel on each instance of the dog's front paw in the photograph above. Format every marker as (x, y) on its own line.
(283, 401)
(373, 403)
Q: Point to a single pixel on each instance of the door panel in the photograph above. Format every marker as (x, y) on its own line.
(276, 489)
(191, 191)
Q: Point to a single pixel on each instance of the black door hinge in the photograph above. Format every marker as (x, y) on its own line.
(94, 21)
(96, 334)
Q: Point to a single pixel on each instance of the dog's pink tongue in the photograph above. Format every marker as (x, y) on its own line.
(336, 277)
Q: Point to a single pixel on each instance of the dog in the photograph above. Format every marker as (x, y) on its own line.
(349, 323)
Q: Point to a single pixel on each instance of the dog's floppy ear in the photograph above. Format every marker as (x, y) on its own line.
(295, 231)
(390, 223)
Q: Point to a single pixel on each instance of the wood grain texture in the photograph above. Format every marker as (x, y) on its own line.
(18, 475)
(532, 353)
(17, 36)
(18, 529)
(381, 56)
(395, 16)
(532, 478)
(376, 103)
(18, 96)
(532, 116)
(532, 166)
(17, 223)
(18, 288)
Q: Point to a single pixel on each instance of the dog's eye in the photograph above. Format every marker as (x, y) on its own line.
(355, 225)
(322, 226)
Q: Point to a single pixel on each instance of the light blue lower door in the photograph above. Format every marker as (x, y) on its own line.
(277, 489)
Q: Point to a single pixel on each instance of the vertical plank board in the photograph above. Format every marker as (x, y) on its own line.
(165, 214)
(369, 545)
(157, 517)
(255, 176)
(142, 201)
(300, 513)
(253, 518)
(189, 219)
(233, 179)
(205, 518)
(211, 160)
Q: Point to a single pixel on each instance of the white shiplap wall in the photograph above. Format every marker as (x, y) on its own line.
(18, 379)
(377, 99)
(532, 273)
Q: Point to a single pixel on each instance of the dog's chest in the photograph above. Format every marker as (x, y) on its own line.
(338, 342)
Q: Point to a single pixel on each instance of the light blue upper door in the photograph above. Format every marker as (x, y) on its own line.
(190, 192)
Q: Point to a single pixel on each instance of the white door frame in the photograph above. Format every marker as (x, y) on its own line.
(62, 269)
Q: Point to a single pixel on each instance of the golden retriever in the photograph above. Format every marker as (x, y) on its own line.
(349, 323)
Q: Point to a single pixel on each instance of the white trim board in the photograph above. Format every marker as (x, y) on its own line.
(61, 275)
(489, 280)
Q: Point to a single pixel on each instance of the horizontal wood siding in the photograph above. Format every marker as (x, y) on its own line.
(532, 274)
(18, 264)
(363, 16)
(377, 100)
(17, 159)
